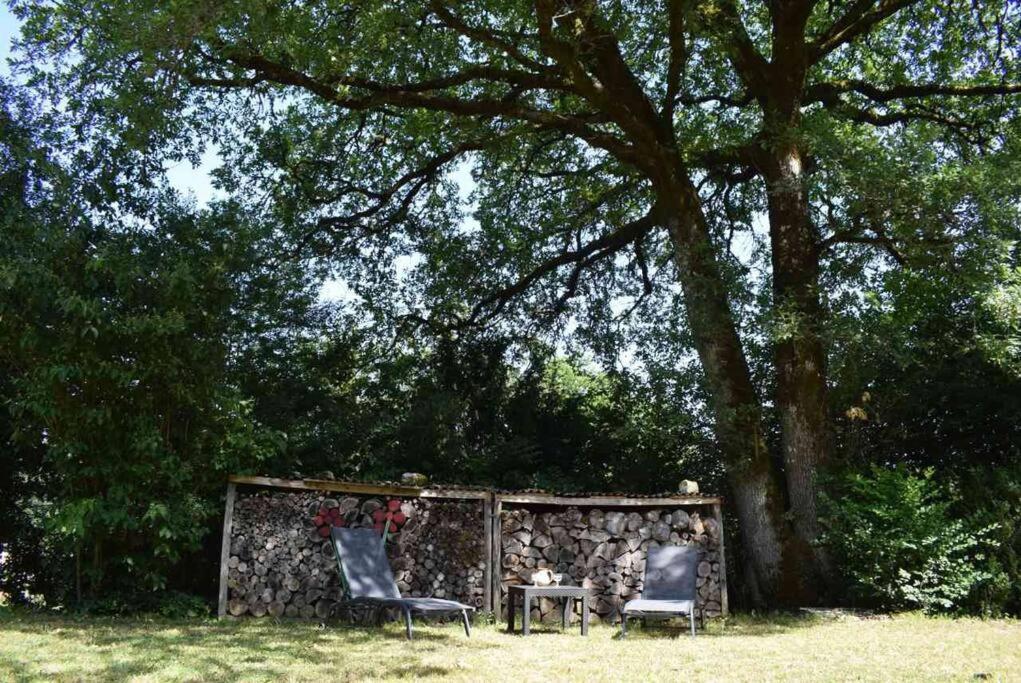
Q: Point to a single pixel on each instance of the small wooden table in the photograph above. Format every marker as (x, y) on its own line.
(526, 593)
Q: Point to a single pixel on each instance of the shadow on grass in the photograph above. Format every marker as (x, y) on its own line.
(738, 625)
(119, 649)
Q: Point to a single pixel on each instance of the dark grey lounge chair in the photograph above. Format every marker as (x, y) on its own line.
(368, 580)
(669, 590)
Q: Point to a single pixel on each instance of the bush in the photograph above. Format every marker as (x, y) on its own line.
(999, 507)
(898, 544)
(167, 604)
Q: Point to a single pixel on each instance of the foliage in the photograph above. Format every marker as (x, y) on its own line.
(468, 413)
(119, 335)
(931, 343)
(168, 604)
(899, 542)
(514, 318)
(998, 508)
(614, 149)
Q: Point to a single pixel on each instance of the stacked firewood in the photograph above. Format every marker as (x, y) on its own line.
(449, 562)
(605, 551)
(282, 562)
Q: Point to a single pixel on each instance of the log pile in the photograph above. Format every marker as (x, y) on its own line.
(605, 551)
(282, 564)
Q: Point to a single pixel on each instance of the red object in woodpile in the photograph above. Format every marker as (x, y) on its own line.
(329, 517)
(281, 550)
(392, 513)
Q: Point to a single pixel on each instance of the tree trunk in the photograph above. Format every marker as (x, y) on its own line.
(799, 353)
(756, 488)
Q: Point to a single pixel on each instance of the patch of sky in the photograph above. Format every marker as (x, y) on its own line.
(462, 176)
(9, 27)
(337, 290)
(196, 181)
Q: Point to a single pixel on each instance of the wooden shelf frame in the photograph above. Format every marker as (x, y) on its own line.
(360, 488)
(492, 507)
(607, 500)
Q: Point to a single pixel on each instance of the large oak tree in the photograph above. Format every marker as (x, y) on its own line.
(603, 136)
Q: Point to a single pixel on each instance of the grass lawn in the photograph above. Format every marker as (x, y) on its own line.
(908, 647)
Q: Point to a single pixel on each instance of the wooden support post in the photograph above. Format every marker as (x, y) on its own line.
(718, 516)
(497, 532)
(228, 523)
(487, 552)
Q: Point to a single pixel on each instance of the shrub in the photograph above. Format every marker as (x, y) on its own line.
(168, 604)
(898, 544)
(999, 507)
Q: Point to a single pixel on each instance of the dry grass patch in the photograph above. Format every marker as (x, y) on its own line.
(907, 647)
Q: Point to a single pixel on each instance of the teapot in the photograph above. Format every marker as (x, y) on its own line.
(542, 577)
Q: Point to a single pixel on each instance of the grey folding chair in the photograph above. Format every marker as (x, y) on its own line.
(669, 591)
(368, 580)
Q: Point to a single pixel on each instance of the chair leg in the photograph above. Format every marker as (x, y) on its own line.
(510, 611)
(467, 626)
(526, 615)
(692, 623)
(584, 615)
(407, 622)
(623, 625)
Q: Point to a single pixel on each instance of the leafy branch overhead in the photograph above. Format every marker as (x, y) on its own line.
(572, 68)
(607, 143)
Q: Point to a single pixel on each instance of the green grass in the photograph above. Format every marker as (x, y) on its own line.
(907, 647)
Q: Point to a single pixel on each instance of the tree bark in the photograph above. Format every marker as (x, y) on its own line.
(799, 352)
(756, 487)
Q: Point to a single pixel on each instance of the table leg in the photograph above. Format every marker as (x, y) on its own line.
(565, 617)
(526, 614)
(510, 611)
(584, 615)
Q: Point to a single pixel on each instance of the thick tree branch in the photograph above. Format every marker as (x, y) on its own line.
(856, 235)
(591, 54)
(453, 21)
(410, 183)
(885, 243)
(738, 101)
(381, 95)
(858, 20)
(513, 77)
(643, 266)
(580, 259)
(893, 118)
(678, 57)
(831, 91)
(724, 159)
(724, 19)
